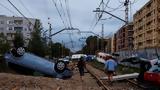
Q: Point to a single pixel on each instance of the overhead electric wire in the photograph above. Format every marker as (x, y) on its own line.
(100, 15)
(20, 12)
(55, 4)
(93, 20)
(64, 14)
(114, 9)
(26, 8)
(134, 2)
(68, 12)
(106, 6)
(8, 9)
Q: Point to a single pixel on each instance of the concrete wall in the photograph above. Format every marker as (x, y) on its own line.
(144, 53)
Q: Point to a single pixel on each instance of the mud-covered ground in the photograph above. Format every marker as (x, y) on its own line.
(21, 82)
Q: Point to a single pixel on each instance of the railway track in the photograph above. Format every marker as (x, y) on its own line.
(117, 85)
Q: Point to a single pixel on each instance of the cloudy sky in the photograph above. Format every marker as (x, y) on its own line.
(81, 15)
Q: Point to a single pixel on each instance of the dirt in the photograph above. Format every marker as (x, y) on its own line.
(20, 82)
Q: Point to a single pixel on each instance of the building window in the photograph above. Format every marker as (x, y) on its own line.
(1, 28)
(10, 22)
(18, 22)
(140, 44)
(149, 41)
(149, 5)
(1, 22)
(10, 28)
(25, 29)
(19, 29)
(149, 14)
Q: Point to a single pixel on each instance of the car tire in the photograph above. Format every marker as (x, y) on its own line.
(60, 66)
(18, 52)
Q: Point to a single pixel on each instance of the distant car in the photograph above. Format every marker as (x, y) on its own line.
(78, 56)
(66, 60)
(22, 60)
(90, 57)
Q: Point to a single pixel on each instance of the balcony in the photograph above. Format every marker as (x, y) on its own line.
(18, 22)
(149, 27)
(148, 10)
(149, 37)
(148, 19)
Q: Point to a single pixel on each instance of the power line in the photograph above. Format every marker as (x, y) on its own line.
(101, 13)
(25, 7)
(63, 12)
(92, 22)
(114, 9)
(7, 9)
(68, 12)
(55, 4)
(20, 12)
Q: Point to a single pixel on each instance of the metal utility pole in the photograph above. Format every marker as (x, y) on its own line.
(50, 39)
(102, 39)
(126, 4)
(62, 49)
(50, 29)
(102, 31)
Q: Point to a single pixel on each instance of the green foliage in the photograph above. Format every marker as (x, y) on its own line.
(4, 45)
(120, 69)
(36, 44)
(58, 50)
(18, 40)
(97, 65)
(125, 70)
(93, 44)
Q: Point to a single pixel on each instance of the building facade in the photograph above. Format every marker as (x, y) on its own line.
(113, 43)
(124, 38)
(147, 26)
(108, 45)
(10, 25)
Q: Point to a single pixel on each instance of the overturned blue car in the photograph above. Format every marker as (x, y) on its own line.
(25, 62)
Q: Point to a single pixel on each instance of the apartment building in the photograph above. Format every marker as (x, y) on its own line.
(108, 45)
(113, 43)
(147, 26)
(10, 25)
(124, 38)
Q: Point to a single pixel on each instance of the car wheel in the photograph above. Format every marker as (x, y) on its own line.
(60, 66)
(20, 51)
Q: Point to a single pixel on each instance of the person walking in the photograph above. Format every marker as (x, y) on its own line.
(110, 67)
(81, 65)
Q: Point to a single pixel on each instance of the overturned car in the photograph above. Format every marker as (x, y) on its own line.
(23, 61)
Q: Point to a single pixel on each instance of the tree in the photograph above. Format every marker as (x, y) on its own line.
(93, 44)
(18, 40)
(58, 50)
(36, 44)
(4, 45)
